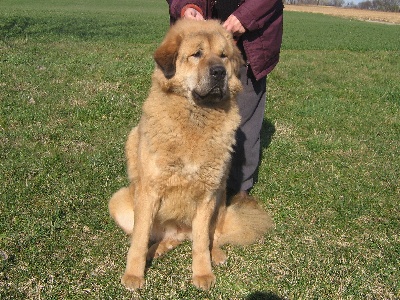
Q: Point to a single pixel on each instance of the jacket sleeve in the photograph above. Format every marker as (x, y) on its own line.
(176, 7)
(254, 14)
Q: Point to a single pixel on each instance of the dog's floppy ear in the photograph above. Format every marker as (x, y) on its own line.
(165, 56)
(237, 60)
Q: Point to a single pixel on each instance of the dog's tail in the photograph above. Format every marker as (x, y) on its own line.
(121, 208)
(243, 223)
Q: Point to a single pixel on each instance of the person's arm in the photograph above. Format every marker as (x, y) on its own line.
(254, 14)
(193, 9)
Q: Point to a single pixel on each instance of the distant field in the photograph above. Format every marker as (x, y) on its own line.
(73, 77)
(358, 14)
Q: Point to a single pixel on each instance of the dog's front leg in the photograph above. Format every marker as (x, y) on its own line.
(203, 277)
(146, 207)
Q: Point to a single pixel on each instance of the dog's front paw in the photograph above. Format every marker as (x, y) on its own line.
(204, 282)
(132, 282)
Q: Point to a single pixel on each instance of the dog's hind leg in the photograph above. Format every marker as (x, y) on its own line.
(167, 237)
(218, 256)
(160, 248)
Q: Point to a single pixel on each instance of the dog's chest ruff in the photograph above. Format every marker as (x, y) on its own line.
(191, 146)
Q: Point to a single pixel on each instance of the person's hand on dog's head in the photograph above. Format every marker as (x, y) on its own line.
(233, 25)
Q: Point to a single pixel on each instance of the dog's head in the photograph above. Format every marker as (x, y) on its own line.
(200, 61)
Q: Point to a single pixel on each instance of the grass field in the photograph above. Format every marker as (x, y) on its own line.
(73, 76)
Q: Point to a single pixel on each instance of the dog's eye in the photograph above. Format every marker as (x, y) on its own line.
(223, 55)
(198, 54)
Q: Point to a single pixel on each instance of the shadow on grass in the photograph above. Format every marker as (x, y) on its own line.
(267, 132)
(263, 296)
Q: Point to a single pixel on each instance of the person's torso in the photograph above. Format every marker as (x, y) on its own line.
(222, 9)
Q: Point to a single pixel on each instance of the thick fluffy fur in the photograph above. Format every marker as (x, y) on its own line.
(179, 154)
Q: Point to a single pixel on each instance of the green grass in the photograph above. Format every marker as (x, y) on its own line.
(73, 76)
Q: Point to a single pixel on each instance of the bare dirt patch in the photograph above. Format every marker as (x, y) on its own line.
(359, 14)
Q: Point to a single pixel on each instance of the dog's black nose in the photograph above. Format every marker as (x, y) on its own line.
(218, 72)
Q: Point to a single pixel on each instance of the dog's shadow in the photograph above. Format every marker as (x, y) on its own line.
(263, 296)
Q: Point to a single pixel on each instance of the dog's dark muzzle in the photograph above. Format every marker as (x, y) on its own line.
(217, 89)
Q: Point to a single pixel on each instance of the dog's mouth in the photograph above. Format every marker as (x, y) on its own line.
(214, 95)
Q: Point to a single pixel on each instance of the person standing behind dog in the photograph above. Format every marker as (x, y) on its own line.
(257, 26)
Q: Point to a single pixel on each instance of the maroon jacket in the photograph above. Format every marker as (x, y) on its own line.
(263, 20)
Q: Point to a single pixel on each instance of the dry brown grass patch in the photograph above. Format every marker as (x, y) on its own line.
(352, 13)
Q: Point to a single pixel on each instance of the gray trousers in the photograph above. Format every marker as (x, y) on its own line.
(246, 156)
